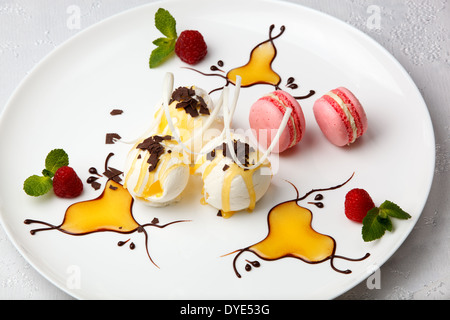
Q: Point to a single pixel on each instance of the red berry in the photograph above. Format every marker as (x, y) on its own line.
(191, 47)
(357, 203)
(66, 183)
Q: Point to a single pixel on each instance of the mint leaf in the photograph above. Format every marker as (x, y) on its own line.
(164, 42)
(393, 210)
(372, 228)
(47, 173)
(56, 159)
(37, 186)
(386, 222)
(378, 220)
(161, 54)
(166, 24)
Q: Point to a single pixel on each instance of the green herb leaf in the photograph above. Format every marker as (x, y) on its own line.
(162, 42)
(372, 229)
(166, 24)
(161, 54)
(378, 220)
(37, 186)
(47, 173)
(394, 211)
(386, 222)
(56, 159)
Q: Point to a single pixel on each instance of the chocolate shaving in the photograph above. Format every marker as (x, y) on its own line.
(194, 106)
(116, 112)
(210, 156)
(96, 185)
(155, 148)
(241, 149)
(203, 106)
(110, 138)
(182, 93)
(225, 167)
(93, 182)
(113, 174)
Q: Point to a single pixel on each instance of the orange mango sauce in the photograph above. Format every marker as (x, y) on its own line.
(291, 235)
(111, 211)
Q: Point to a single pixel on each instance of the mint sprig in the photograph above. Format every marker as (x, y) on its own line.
(36, 185)
(378, 220)
(166, 24)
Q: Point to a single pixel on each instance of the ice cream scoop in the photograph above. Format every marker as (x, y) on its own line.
(235, 173)
(192, 115)
(157, 166)
(156, 171)
(227, 185)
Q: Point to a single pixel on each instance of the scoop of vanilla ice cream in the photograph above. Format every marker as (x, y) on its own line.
(227, 186)
(191, 109)
(156, 171)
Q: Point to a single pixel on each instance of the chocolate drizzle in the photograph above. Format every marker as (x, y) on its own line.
(92, 180)
(110, 173)
(193, 104)
(248, 266)
(290, 82)
(331, 257)
(318, 203)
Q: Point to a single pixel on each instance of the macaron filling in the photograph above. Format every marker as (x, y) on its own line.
(295, 117)
(342, 109)
(351, 106)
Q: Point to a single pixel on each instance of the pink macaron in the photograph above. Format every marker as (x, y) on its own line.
(340, 116)
(266, 116)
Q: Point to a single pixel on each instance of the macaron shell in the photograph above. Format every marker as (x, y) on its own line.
(330, 122)
(334, 122)
(297, 114)
(361, 113)
(265, 119)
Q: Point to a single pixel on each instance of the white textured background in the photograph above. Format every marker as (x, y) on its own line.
(416, 32)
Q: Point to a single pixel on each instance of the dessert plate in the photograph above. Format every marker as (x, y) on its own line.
(65, 102)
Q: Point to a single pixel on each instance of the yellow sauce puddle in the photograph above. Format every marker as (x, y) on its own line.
(291, 235)
(111, 211)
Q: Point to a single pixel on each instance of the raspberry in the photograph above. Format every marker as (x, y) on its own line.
(191, 47)
(357, 203)
(66, 183)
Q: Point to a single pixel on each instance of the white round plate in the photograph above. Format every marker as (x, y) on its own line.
(65, 103)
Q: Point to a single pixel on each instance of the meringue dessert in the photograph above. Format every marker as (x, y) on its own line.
(156, 171)
(157, 168)
(235, 174)
(187, 137)
(191, 113)
(227, 183)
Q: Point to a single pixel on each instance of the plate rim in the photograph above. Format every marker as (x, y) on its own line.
(8, 108)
